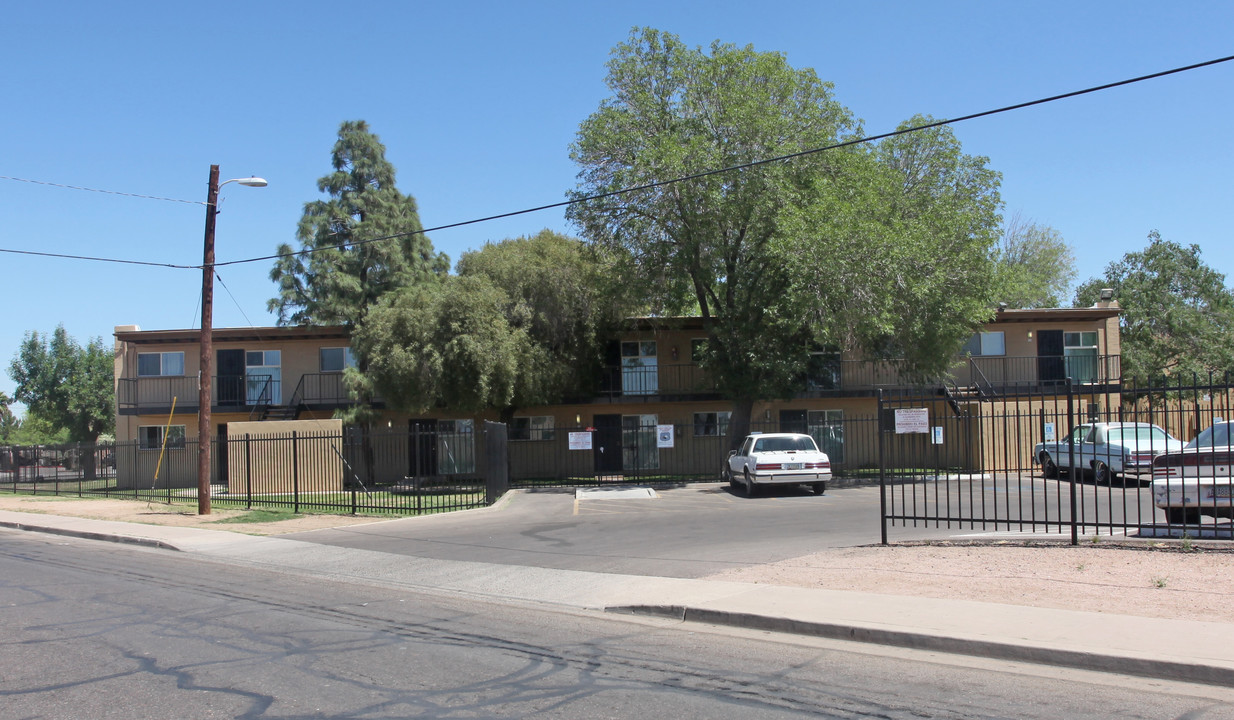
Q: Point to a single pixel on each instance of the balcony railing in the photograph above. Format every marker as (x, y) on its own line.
(989, 374)
(155, 394)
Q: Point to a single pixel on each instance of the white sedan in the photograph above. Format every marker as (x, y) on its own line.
(777, 459)
(1199, 479)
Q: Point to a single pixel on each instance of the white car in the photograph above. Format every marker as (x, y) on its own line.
(1106, 449)
(1199, 479)
(777, 459)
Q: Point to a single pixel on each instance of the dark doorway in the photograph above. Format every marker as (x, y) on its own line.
(422, 449)
(610, 383)
(793, 421)
(1051, 369)
(224, 475)
(606, 444)
(230, 370)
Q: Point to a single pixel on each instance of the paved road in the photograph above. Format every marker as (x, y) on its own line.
(104, 630)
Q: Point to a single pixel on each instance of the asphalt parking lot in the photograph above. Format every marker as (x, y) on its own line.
(688, 532)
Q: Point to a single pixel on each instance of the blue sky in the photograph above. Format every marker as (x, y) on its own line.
(477, 103)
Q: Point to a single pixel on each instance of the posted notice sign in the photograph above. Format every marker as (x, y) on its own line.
(664, 436)
(580, 441)
(912, 420)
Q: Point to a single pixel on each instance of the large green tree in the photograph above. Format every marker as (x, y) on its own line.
(1036, 267)
(69, 385)
(1177, 313)
(520, 325)
(344, 266)
(9, 424)
(885, 249)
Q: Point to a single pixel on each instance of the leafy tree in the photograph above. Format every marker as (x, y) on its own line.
(446, 343)
(567, 300)
(775, 256)
(66, 384)
(520, 325)
(343, 271)
(1178, 314)
(9, 424)
(903, 245)
(365, 241)
(1036, 267)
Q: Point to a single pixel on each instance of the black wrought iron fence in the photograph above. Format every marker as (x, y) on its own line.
(398, 472)
(1066, 462)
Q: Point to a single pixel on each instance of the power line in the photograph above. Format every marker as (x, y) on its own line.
(637, 188)
(756, 163)
(108, 192)
(101, 259)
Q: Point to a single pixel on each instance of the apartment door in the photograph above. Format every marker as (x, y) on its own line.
(606, 444)
(794, 421)
(229, 387)
(1050, 367)
(223, 475)
(422, 448)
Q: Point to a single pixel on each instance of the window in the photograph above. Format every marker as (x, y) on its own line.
(456, 451)
(827, 429)
(1080, 351)
(157, 364)
(262, 358)
(539, 427)
(336, 359)
(639, 374)
(986, 343)
(711, 424)
(150, 437)
(823, 368)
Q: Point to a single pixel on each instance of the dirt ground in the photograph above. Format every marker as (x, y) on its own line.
(1193, 581)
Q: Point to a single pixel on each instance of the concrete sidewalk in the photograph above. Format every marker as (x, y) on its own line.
(1168, 649)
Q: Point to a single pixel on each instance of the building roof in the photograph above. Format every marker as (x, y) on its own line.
(1054, 315)
(250, 334)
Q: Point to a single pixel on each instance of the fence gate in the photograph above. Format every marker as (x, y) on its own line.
(975, 461)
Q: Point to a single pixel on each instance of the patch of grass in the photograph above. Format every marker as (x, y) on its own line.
(1159, 582)
(1188, 546)
(258, 516)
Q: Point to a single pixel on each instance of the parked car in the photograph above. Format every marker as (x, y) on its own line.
(777, 459)
(1198, 479)
(1106, 449)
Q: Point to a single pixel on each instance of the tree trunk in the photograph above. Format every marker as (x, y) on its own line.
(739, 422)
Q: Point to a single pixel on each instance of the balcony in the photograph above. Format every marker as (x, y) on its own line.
(156, 394)
(855, 378)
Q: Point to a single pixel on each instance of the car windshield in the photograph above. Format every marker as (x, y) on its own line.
(780, 444)
(1218, 434)
(1147, 437)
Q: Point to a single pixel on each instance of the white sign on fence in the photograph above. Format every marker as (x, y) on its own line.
(1050, 433)
(937, 439)
(912, 420)
(580, 441)
(664, 436)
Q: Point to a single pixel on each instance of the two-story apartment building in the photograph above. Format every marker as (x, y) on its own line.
(652, 379)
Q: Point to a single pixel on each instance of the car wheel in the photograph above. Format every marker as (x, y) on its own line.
(1102, 474)
(750, 491)
(1048, 469)
(1182, 516)
(820, 488)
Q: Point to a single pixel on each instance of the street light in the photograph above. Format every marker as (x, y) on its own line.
(207, 337)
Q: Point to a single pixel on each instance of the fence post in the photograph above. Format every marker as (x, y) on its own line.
(295, 472)
(248, 474)
(1071, 473)
(882, 467)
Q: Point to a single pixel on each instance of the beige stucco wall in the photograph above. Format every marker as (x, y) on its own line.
(282, 457)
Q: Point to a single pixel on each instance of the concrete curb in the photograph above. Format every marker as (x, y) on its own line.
(1094, 661)
(90, 535)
